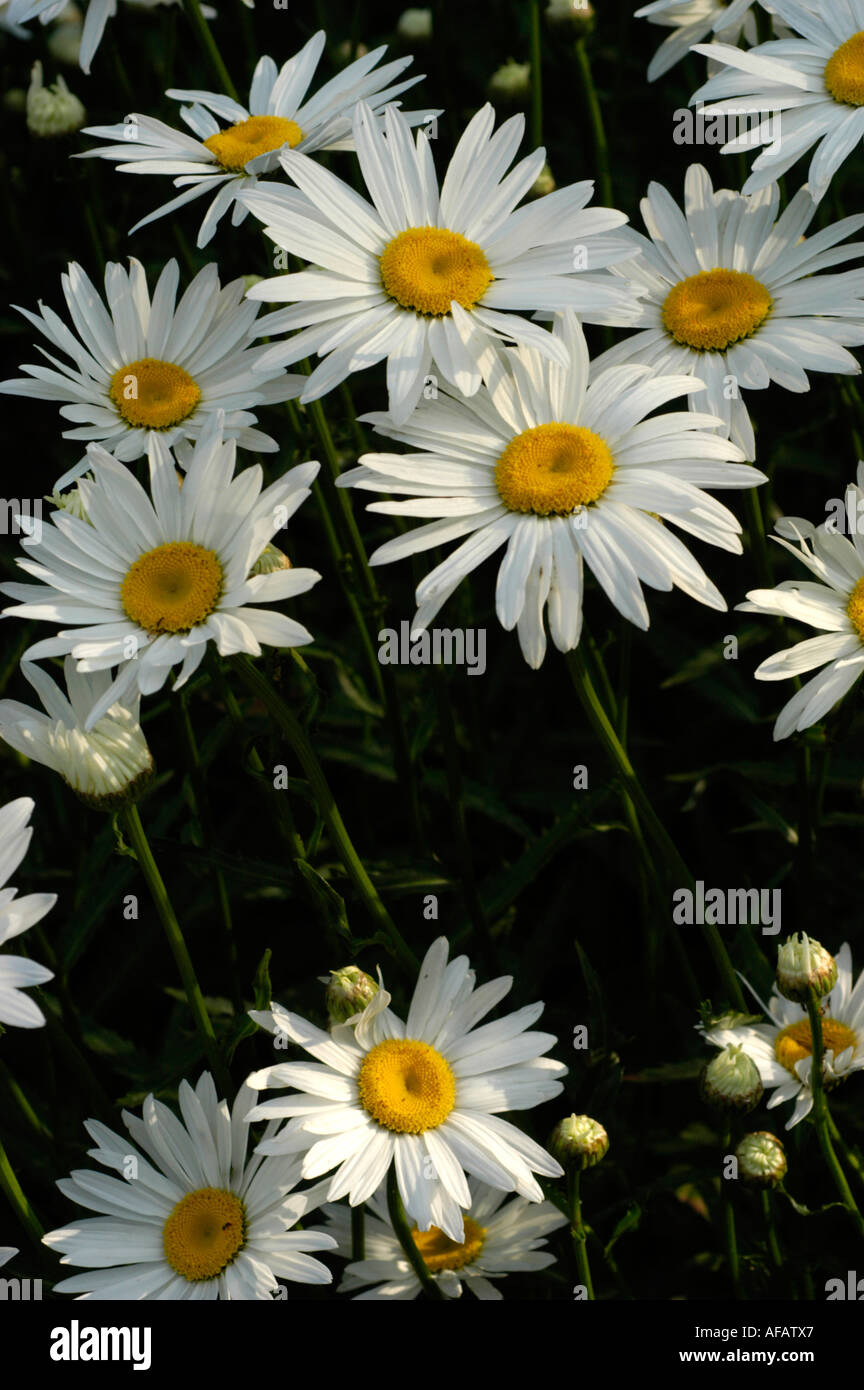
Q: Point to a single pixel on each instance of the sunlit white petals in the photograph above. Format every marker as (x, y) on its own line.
(17, 915)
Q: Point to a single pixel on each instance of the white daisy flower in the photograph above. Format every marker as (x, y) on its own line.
(189, 1217)
(106, 765)
(498, 1240)
(425, 1094)
(146, 369)
(691, 21)
(564, 474)
(782, 1047)
(730, 292)
(16, 916)
(834, 606)
(814, 79)
(225, 160)
(97, 16)
(420, 277)
(148, 581)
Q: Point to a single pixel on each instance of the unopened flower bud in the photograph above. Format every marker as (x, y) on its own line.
(578, 1142)
(52, 111)
(731, 1081)
(577, 15)
(271, 559)
(803, 964)
(415, 25)
(348, 992)
(761, 1159)
(71, 502)
(511, 82)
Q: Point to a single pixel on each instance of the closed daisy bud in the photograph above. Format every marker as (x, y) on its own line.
(52, 111)
(511, 82)
(731, 1081)
(804, 964)
(270, 560)
(578, 15)
(761, 1159)
(579, 1142)
(348, 992)
(415, 25)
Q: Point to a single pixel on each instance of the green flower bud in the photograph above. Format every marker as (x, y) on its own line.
(761, 1159)
(415, 25)
(578, 1142)
(52, 111)
(511, 82)
(348, 992)
(803, 964)
(577, 15)
(731, 1081)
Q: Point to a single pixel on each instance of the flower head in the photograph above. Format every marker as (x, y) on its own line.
(731, 1080)
(16, 916)
(803, 965)
(579, 1142)
(761, 1159)
(52, 111)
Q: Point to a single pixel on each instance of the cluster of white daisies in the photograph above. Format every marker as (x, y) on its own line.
(522, 445)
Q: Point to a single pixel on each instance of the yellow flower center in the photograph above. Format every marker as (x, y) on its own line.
(426, 268)
(154, 394)
(440, 1252)
(204, 1233)
(855, 608)
(172, 588)
(552, 470)
(844, 71)
(796, 1041)
(406, 1086)
(237, 144)
(716, 308)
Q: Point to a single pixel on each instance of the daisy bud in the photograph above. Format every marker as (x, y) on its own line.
(348, 992)
(803, 964)
(731, 1081)
(71, 502)
(511, 82)
(577, 14)
(543, 184)
(761, 1159)
(578, 1142)
(270, 559)
(52, 111)
(415, 25)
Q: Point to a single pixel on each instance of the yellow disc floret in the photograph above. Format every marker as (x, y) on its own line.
(440, 1252)
(716, 308)
(426, 268)
(172, 588)
(795, 1041)
(551, 470)
(204, 1233)
(844, 71)
(855, 608)
(153, 394)
(406, 1086)
(237, 144)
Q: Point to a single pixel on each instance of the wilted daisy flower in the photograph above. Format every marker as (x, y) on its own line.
(149, 581)
(425, 1094)
(732, 295)
(16, 916)
(189, 1217)
(497, 1240)
(691, 21)
(420, 277)
(221, 160)
(107, 765)
(782, 1047)
(146, 368)
(564, 474)
(834, 606)
(814, 80)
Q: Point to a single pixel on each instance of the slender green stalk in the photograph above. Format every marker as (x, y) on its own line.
(623, 698)
(595, 120)
(536, 77)
(578, 1232)
(147, 864)
(358, 1233)
(22, 1208)
(771, 1230)
(654, 826)
(208, 43)
(730, 1238)
(258, 684)
(284, 814)
(821, 1117)
(851, 1155)
(30, 1116)
(758, 540)
(400, 1225)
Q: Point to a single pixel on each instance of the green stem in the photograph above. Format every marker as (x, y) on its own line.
(850, 1154)
(147, 864)
(208, 43)
(22, 1208)
(32, 1119)
(579, 1233)
(730, 1239)
(595, 120)
(677, 868)
(358, 1233)
(773, 1243)
(257, 683)
(821, 1117)
(536, 77)
(758, 540)
(399, 1222)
